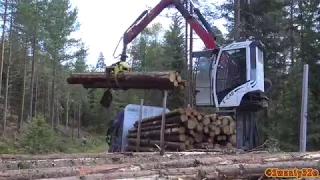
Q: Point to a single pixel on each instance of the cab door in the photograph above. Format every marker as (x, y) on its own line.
(203, 81)
(231, 72)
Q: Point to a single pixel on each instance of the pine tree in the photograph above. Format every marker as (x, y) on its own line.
(100, 63)
(174, 52)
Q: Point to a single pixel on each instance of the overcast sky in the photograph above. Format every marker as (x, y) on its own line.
(104, 21)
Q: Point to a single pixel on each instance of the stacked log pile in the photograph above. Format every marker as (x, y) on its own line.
(185, 129)
(173, 165)
(129, 80)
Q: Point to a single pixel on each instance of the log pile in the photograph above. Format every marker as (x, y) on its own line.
(129, 80)
(173, 165)
(185, 129)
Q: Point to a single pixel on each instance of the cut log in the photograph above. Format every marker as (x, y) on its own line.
(206, 121)
(83, 78)
(205, 158)
(148, 134)
(187, 142)
(233, 139)
(170, 120)
(205, 129)
(128, 85)
(221, 138)
(192, 124)
(225, 120)
(179, 79)
(133, 85)
(128, 80)
(205, 166)
(151, 143)
(159, 117)
(217, 128)
(195, 113)
(218, 122)
(191, 140)
(212, 134)
(184, 118)
(214, 117)
(157, 127)
(176, 138)
(199, 127)
(198, 137)
(226, 129)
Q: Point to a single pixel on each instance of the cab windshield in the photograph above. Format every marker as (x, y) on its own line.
(231, 71)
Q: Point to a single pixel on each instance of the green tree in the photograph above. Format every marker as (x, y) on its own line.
(60, 22)
(100, 63)
(174, 53)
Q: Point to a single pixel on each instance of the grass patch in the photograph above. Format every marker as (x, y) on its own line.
(39, 138)
(91, 144)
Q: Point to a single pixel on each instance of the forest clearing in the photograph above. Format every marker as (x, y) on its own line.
(59, 110)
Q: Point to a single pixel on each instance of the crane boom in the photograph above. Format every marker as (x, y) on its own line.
(206, 34)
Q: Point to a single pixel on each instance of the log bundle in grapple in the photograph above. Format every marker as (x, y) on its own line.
(185, 129)
(129, 80)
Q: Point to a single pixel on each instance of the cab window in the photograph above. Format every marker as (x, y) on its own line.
(231, 71)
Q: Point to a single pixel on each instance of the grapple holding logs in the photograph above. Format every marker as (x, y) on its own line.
(129, 80)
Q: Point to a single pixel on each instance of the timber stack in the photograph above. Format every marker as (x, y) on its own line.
(185, 129)
(152, 165)
(168, 80)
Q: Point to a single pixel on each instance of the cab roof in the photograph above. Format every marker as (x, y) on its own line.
(243, 44)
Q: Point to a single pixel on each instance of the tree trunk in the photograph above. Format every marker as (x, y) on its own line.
(48, 100)
(57, 114)
(236, 20)
(191, 63)
(3, 39)
(53, 91)
(36, 93)
(67, 113)
(23, 89)
(73, 119)
(8, 78)
(187, 100)
(79, 119)
(32, 78)
(291, 33)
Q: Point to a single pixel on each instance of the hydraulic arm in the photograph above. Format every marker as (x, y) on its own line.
(205, 33)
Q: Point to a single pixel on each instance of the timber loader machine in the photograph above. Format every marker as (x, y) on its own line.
(229, 78)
